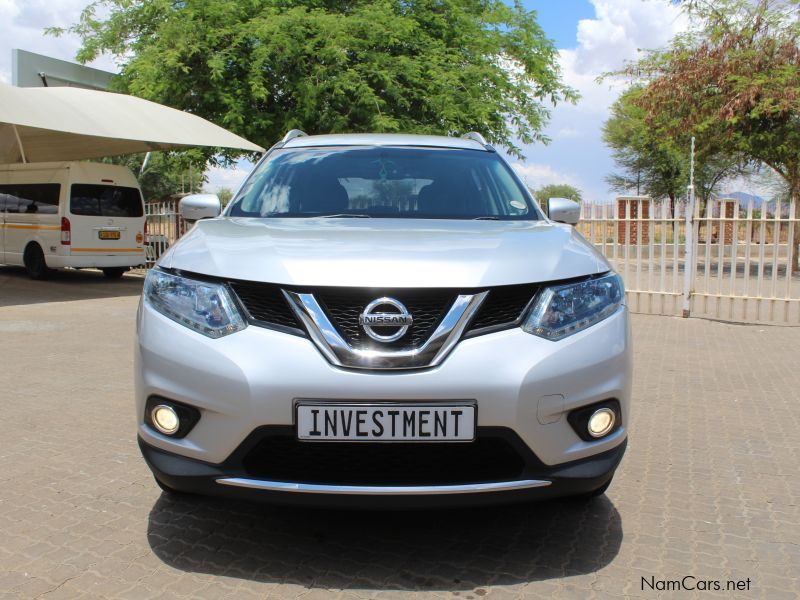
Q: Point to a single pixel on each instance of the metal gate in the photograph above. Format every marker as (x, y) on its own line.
(164, 226)
(730, 261)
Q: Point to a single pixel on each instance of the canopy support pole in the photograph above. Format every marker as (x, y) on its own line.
(19, 141)
(144, 163)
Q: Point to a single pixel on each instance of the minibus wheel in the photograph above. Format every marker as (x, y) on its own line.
(34, 262)
(114, 272)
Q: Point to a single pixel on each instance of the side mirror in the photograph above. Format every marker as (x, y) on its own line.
(200, 206)
(564, 211)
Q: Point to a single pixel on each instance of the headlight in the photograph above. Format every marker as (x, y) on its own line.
(205, 307)
(562, 310)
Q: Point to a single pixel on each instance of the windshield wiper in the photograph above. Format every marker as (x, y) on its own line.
(486, 219)
(344, 216)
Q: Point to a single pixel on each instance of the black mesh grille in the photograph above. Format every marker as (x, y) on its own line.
(344, 306)
(503, 305)
(265, 303)
(283, 458)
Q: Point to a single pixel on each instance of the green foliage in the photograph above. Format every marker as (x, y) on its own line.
(557, 190)
(166, 173)
(734, 82)
(262, 67)
(650, 162)
(655, 161)
(225, 195)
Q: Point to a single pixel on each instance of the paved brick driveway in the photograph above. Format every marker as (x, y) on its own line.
(709, 486)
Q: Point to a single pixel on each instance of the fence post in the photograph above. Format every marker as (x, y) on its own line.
(688, 254)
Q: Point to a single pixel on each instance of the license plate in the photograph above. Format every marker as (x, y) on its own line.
(385, 422)
(109, 235)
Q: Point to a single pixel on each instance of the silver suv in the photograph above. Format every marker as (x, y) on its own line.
(383, 320)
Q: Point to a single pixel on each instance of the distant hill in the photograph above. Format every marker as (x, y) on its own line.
(759, 203)
(744, 199)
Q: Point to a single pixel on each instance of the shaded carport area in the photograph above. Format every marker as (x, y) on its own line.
(57, 124)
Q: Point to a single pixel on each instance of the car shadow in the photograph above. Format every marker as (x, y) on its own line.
(450, 550)
(64, 285)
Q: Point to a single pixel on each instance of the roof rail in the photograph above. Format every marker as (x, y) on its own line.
(293, 134)
(475, 137)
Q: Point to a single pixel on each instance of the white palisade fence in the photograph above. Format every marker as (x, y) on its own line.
(738, 257)
(164, 227)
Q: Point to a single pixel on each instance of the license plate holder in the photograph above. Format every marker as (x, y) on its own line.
(445, 422)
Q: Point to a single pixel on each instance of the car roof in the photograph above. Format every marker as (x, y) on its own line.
(383, 139)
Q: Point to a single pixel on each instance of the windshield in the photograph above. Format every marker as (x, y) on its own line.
(399, 182)
(91, 200)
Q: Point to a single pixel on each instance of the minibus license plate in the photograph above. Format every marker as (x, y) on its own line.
(385, 422)
(109, 235)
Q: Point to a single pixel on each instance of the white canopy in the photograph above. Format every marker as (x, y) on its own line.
(66, 123)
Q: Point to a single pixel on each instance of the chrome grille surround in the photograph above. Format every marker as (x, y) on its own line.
(337, 350)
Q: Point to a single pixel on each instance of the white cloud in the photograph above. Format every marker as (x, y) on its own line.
(569, 132)
(227, 177)
(536, 175)
(596, 96)
(620, 30)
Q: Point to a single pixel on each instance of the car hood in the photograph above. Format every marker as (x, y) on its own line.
(384, 252)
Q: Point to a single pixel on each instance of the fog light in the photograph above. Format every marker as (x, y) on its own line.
(601, 422)
(165, 419)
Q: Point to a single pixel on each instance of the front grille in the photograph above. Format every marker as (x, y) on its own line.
(503, 305)
(265, 303)
(344, 305)
(283, 458)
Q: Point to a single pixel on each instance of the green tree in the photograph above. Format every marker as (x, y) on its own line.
(733, 79)
(262, 67)
(225, 195)
(654, 161)
(165, 173)
(714, 167)
(557, 190)
(649, 162)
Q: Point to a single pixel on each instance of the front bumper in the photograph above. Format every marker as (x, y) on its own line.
(242, 382)
(231, 479)
(86, 261)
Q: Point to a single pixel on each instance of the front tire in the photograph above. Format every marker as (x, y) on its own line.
(114, 272)
(34, 262)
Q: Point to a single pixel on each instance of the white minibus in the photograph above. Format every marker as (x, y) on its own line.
(71, 214)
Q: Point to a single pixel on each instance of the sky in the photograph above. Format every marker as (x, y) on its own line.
(592, 36)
